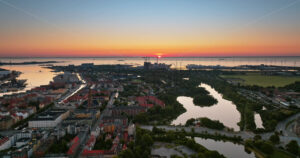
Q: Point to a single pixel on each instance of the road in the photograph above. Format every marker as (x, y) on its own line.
(287, 134)
(242, 134)
(281, 125)
(73, 91)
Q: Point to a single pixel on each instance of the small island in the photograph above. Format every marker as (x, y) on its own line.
(205, 122)
(204, 100)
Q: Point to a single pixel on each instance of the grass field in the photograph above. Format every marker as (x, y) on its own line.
(263, 80)
(276, 154)
(281, 154)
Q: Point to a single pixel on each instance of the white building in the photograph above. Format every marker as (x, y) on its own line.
(49, 119)
(24, 115)
(22, 142)
(11, 138)
(131, 129)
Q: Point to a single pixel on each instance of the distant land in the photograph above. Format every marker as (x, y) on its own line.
(29, 63)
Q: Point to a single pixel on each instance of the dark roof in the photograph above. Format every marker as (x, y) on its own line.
(49, 115)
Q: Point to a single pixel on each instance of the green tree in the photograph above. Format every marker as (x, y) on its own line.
(35, 104)
(274, 139)
(193, 130)
(190, 122)
(147, 140)
(214, 124)
(292, 147)
(204, 100)
(126, 154)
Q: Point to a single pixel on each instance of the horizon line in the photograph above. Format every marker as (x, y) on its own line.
(151, 56)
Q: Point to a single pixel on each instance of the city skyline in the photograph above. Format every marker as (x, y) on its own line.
(149, 28)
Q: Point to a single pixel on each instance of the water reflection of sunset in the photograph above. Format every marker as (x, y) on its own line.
(35, 75)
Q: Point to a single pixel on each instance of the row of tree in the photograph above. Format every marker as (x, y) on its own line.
(205, 122)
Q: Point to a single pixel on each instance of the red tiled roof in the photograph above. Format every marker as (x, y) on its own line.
(3, 140)
(75, 144)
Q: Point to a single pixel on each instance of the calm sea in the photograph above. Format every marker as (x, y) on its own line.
(176, 62)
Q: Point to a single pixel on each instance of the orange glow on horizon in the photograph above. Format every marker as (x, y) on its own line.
(166, 52)
(250, 43)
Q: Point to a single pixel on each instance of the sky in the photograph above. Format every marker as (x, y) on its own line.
(42, 28)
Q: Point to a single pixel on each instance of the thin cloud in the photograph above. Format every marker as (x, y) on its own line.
(273, 12)
(38, 18)
(29, 14)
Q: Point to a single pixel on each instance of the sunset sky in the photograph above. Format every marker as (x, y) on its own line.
(149, 27)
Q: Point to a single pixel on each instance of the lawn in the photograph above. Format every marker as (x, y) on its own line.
(276, 154)
(280, 154)
(263, 80)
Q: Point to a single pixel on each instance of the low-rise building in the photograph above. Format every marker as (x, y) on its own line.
(14, 138)
(48, 119)
(81, 117)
